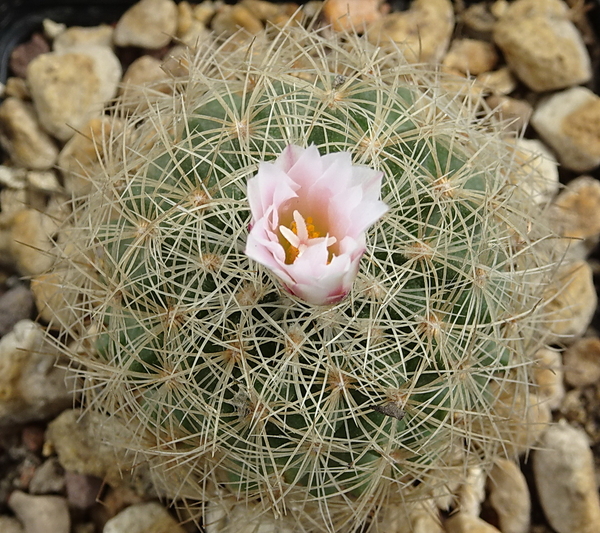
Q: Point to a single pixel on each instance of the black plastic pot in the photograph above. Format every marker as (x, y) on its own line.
(19, 19)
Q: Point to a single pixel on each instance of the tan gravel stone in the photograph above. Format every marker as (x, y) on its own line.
(500, 82)
(435, 22)
(80, 159)
(69, 88)
(23, 138)
(77, 36)
(576, 209)
(513, 112)
(541, 169)
(143, 82)
(351, 15)
(421, 517)
(147, 24)
(9, 524)
(32, 244)
(77, 439)
(230, 19)
(564, 474)
(548, 376)
(41, 513)
(471, 56)
(150, 517)
(31, 386)
(571, 301)
(542, 45)
(509, 497)
(567, 121)
(582, 362)
(464, 523)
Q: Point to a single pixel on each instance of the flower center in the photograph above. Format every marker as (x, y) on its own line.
(300, 235)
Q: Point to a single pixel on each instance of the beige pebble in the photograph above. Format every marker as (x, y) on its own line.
(43, 180)
(149, 517)
(80, 161)
(568, 122)
(9, 524)
(571, 301)
(472, 492)
(464, 523)
(542, 45)
(514, 113)
(50, 301)
(548, 376)
(147, 24)
(264, 10)
(226, 513)
(77, 36)
(509, 496)
(32, 387)
(53, 29)
(478, 21)
(144, 82)
(576, 210)
(17, 87)
(23, 138)
(471, 56)
(417, 517)
(78, 441)
(522, 418)
(582, 362)
(32, 244)
(230, 19)
(563, 468)
(41, 513)
(500, 82)
(204, 11)
(351, 15)
(185, 18)
(540, 169)
(13, 177)
(69, 88)
(435, 22)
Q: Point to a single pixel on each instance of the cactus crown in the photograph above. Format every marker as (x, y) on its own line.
(223, 377)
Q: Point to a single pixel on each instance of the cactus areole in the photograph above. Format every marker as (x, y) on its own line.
(309, 217)
(308, 280)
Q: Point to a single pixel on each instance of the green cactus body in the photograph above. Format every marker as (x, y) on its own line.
(223, 377)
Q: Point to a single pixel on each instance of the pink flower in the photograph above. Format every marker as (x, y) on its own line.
(309, 217)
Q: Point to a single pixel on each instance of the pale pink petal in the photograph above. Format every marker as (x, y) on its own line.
(344, 201)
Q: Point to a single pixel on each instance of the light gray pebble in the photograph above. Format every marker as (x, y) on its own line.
(563, 467)
(49, 478)
(41, 514)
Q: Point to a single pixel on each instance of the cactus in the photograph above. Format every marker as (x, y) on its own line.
(224, 379)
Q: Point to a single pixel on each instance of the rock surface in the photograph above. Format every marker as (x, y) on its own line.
(464, 523)
(509, 497)
(471, 56)
(41, 514)
(568, 122)
(143, 518)
(23, 138)
(31, 386)
(548, 375)
(542, 46)
(81, 157)
(70, 87)
(433, 21)
(147, 24)
(572, 300)
(565, 479)
(576, 211)
(582, 362)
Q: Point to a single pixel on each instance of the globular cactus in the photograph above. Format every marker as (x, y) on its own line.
(322, 412)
